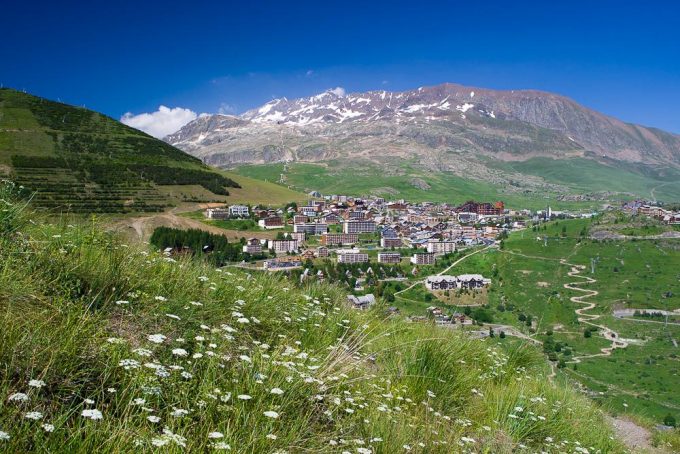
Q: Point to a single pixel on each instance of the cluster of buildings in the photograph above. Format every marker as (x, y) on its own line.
(463, 281)
(643, 208)
(347, 226)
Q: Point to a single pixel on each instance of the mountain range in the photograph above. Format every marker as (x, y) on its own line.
(471, 133)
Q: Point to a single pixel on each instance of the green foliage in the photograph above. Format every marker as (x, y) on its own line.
(216, 248)
(669, 420)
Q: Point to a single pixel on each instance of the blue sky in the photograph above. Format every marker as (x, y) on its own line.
(618, 57)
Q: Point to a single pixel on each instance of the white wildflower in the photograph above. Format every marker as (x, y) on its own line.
(18, 397)
(157, 338)
(36, 384)
(92, 414)
(271, 414)
(128, 364)
(179, 412)
(34, 415)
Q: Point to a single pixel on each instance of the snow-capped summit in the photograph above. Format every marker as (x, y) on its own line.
(507, 124)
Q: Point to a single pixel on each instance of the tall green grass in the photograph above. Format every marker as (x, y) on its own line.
(178, 356)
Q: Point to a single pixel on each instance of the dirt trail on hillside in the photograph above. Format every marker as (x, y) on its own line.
(141, 228)
(588, 319)
(582, 316)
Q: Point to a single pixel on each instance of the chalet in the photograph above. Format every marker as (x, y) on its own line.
(397, 207)
(239, 211)
(481, 209)
(361, 302)
(355, 214)
(300, 236)
(271, 222)
(281, 263)
(331, 219)
(252, 246)
(300, 219)
(322, 251)
(309, 211)
(307, 255)
(217, 213)
(463, 281)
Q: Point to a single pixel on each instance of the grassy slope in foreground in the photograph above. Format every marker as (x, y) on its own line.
(181, 355)
(79, 160)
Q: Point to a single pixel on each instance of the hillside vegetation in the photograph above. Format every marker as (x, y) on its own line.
(82, 161)
(111, 348)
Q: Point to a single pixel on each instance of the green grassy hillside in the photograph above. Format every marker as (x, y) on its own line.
(82, 161)
(529, 275)
(578, 176)
(112, 348)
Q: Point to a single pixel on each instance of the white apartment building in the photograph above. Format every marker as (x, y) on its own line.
(310, 228)
(358, 226)
(240, 211)
(423, 258)
(351, 256)
(284, 246)
(441, 247)
(389, 257)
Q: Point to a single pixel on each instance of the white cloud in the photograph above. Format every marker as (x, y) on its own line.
(338, 91)
(162, 122)
(309, 73)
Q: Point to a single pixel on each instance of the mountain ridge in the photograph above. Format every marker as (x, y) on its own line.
(499, 110)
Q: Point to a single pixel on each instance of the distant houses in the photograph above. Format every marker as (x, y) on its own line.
(240, 211)
(282, 263)
(361, 302)
(463, 281)
(217, 213)
(233, 211)
(253, 246)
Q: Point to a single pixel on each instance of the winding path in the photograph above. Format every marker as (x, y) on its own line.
(582, 316)
(588, 319)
